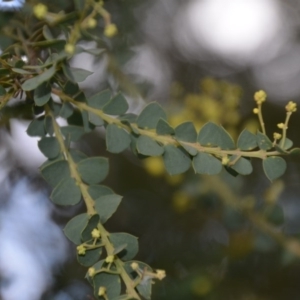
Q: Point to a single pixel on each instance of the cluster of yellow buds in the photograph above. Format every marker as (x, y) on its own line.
(225, 160)
(96, 233)
(277, 136)
(40, 11)
(260, 97)
(101, 291)
(81, 250)
(91, 272)
(70, 48)
(291, 107)
(110, 30)
(109, 259)
(281, 125)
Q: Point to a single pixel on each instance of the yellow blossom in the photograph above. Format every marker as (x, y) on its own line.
(91, 23)
(69, 48)
(260, 96)
(291, 107)
(81, 250)
(40, 10)
(110, 30)
(134, 266)
(102, 291)
(255, 110)
(280, 125)
(225, 160)
(91, 272)
(96, 233)
(277, 135)
(160, 274)
(109, 259)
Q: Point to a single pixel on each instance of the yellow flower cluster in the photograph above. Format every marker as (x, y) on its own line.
(96, 233)
(291, 107)
(277, 135)
(110, 259)
(91, 272)
(102, 291)
(260, 97)
(81, 250)
(110, 30)
(40, 11)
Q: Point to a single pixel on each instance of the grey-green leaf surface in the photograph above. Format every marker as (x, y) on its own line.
(66, 110)
(117, 139)
(93, 169)
(72, 132)
(90, 258)
(205, 163)
(247, 140)
(56, 171)
(42, 94)
(164, 128)
(66, 193)
(274, 167)
(74, 228)
(111, 282)
(176, 160)
(243, 166)
(186, 132)
(91, 225)
(263, 141)
(95, 119)
(131, 241)
(34, 82)
(150, 116)
(49, 146)
(75, 74)
(147, 146)
(97, 191)
(36, 127)
(116, 106)
(100, 99)
(106, 206)
(215, 136)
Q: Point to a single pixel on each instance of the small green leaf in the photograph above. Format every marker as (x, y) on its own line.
(77, 155)
(66, 110)
(49, 146)
(176, 160)
(74, 228)
(47, 33)
(55, 172)
(150, 116)
(117, 139)
(91, 225)
(263, 141)
(72, 132)
(106, 206)
(205, 163)
(287, 144)
(116, 106)
(95, 119)
(131, 241)
(93, 170)
(215, 136)
(100, 99)
(186, 132)
(66, 193)
(90, 258)
(97, 191)
(75, 74)
(87, 126)
(146, 146)
(243, 166)
(36, 127)
(163, 128)
(42, 94)
(274, 167)
(111, 282)
(48, 124)
(36, 81)
(247, 140)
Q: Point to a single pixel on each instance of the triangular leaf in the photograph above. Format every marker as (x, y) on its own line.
(215, 136)
(100, 99)
(49, 146)
(186, 132)
(263, 141)
(106, 206)
(91, 225)
(274, 167)
(163, 128)
(243, 166)
(36, 127)
(147, 146)
(72, 132)
(205, 163)
(131, 241)
(117, 139)
(42, 94)
(112, 284)
(247, 140)
(90, 257)
(150, 116)
(75, 74)
(97, 191)
(116, 106)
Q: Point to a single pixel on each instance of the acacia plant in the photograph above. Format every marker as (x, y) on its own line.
(38, 43)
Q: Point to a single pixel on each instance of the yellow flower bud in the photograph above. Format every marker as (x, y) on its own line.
(160, 274)
(134, 266)
(291, 107)
(255, 110)
(110, 259)
(70, 48)
(110, 30)
(40, 10)
(280, 125)
(225, 160)
(260, 96)
(101, 291)
(91, 23)
(277, 135)
(96, 233)
(91, 271)
(81, 250)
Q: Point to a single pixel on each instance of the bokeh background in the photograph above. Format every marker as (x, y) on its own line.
(218, 237)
